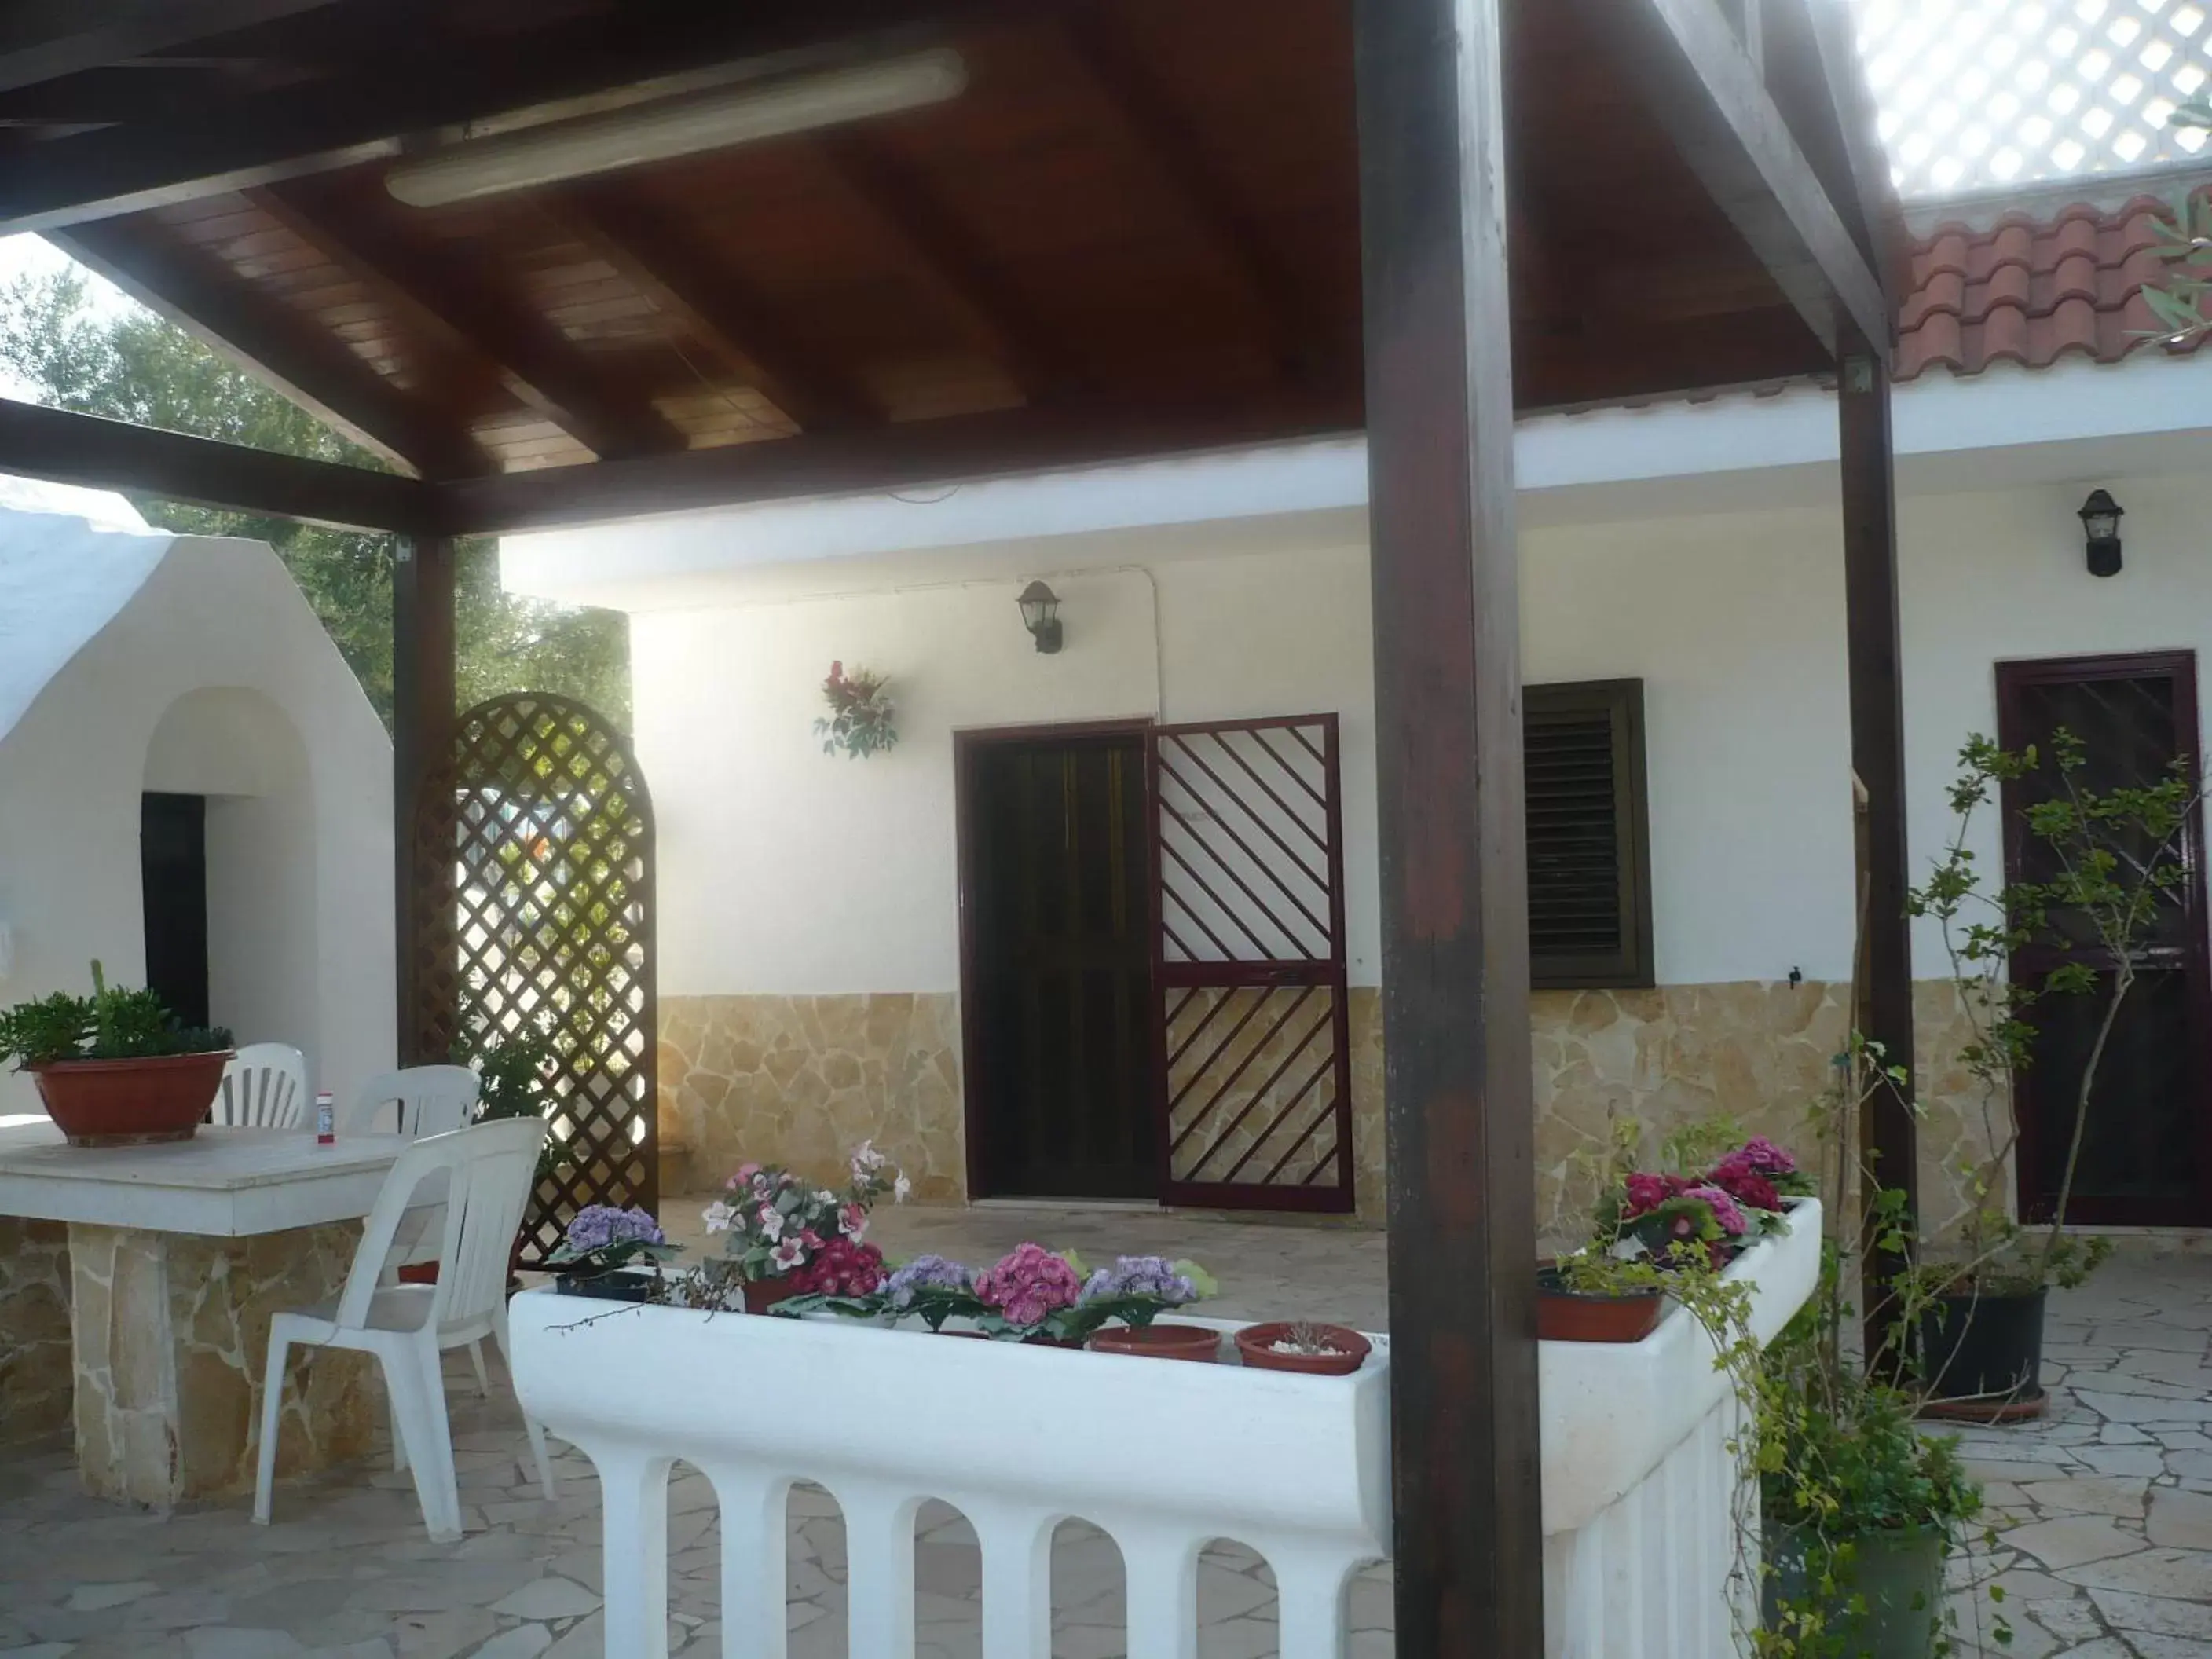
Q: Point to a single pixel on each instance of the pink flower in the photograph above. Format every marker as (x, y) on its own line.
(1746, 1187)
(1731, 1218)
(745, 1175)
(788, 1255)
(1028, 1285)
(1646, 1192)
(852, 1221)
(769, 1220)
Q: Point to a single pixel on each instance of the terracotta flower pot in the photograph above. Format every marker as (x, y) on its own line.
(1255, 1347)
(1566, 1315)
(1198, 1343)
(129, 1103)
(762, 1294)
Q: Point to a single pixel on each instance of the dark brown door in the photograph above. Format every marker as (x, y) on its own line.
(1058, 965)
(2146, 1157)
(173, 876)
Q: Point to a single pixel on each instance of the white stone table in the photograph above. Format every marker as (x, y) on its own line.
(175, 1257)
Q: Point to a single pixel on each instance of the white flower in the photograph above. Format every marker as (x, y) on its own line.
(827, 1198)
(771, 1224)
(718, 1217)
(789, 1253)
(900, 1189)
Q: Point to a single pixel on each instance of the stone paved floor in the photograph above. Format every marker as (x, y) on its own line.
(2103, 1511)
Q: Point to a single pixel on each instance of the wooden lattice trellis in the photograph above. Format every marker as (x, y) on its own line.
(538, 922)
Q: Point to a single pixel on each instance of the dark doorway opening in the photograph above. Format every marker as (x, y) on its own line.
(2146, 1155)
(172, 875)
(1056, 964)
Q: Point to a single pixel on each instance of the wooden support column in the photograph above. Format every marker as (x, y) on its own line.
(1884, 1003)
(1465, 1463)
(423, 663)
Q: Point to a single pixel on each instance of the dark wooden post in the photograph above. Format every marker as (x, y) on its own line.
(1469, 1540)
(424, 662)
(1884, 1003)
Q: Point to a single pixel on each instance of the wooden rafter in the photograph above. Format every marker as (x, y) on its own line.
(952, 260)
(1153, 124)
(48, 39)
(1686, 60)
(82, 449)
(453, 307)
(670, 262)
(308, 365)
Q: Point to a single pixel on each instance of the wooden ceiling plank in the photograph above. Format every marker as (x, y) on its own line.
(670, 264)
(82, 449)
(1153, 123)
(316, 371)
(953, 261)
(1686, 60)
(423, 82)
(438, 298)
(48, 39)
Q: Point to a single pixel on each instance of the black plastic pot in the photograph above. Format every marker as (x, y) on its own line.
(1899, 1572)
(623, 1285)
(1983, 1350)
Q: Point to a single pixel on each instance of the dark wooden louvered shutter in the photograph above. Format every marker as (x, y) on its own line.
(1589, 857)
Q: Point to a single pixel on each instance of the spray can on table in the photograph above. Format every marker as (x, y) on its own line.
(326, 1126)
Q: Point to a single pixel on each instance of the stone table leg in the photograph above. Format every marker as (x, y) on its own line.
(170, 1334)
(35, 1379)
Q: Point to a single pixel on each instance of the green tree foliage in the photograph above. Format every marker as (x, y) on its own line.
(137, 367)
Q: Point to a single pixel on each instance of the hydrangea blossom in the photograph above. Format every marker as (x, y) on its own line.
(1028, 1285)
(1149, 1276)
(1725, 1211)
(926, 1273)
(597, 1226)
(1762, 1157)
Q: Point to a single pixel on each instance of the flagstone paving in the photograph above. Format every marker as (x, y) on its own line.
(2102, 1512)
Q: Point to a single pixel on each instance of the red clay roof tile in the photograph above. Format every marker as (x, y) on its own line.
(2032, 293)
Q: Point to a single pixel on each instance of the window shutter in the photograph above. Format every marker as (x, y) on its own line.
(1589, 856)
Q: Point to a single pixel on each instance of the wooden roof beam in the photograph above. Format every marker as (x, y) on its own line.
(669, 263)
(312, 368)
(1701, 85)
(82, 449)
(1151, 122)
(436, 297)
(47, 39)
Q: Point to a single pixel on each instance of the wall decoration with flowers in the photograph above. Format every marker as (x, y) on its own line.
(861, 712)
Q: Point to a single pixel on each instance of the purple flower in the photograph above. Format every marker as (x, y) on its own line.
(1725, 1212)
(1152, 1277)
(1763, 1157)
(597, 1226)
(926, 1273)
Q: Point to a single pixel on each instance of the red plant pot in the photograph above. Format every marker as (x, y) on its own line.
(1255, 1348)
(1566, 1315)
(1193, 1342)
(762, 1294)
(129, 1103)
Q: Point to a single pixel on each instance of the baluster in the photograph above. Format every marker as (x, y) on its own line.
(756, 1538)
(1162, 1570)
(1016, 1546)
(634, 1491)
(878, 1570)
(1310, 1594)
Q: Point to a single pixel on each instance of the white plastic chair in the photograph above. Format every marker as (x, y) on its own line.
(263, 1087)
(487, 1169)
(433, 1100)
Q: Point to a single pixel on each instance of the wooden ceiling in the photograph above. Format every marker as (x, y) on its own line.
(1136, 229)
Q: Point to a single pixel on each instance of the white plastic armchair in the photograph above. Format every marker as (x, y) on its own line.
(487, 1169)
(263, 1087)
(432, 1100)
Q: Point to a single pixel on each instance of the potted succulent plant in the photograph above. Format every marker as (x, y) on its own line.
(1303, 1346)
(595, 1254)
(783, 1236)
(116, 1069)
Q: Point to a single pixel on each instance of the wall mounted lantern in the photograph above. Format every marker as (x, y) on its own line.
(1041, 616)
(2100, 518)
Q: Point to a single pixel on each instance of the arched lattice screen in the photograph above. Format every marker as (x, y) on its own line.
(1978, 94)
(547, 830)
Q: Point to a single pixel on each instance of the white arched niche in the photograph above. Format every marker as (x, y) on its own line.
(241, 752)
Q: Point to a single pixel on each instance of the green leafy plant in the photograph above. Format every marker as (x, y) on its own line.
(111, 1024)
(2179, 302)
(861, 713)
(2118, 860)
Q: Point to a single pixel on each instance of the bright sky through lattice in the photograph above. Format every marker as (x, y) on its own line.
(1977, 94)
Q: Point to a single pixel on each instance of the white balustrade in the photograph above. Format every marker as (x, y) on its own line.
(1165, 1457)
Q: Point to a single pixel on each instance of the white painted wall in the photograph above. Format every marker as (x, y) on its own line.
(203, 670)
(786, 871)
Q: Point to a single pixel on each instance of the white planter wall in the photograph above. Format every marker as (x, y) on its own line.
(1165, 1457)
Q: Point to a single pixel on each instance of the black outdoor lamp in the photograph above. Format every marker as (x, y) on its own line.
(1041, 616)
(2101, 517)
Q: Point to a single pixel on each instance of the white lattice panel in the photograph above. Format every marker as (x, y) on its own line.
(1976, 95)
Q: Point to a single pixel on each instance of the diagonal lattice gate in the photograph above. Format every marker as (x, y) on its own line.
(540, 931)
(1252, 1051)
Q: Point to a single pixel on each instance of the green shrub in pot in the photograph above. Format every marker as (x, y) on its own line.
(111, 1024)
